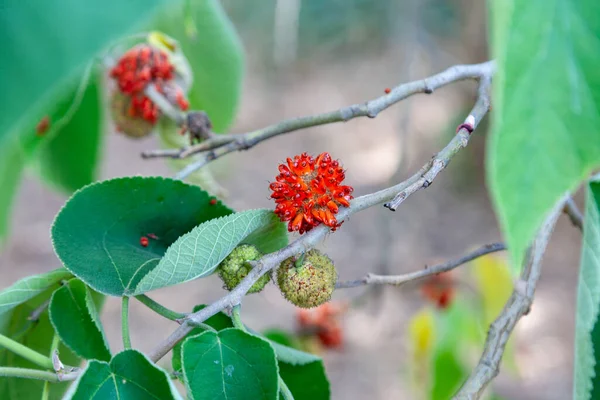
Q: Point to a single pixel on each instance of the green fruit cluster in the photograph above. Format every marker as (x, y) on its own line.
(235, 267)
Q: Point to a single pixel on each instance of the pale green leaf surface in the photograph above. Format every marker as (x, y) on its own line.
(588, 302)
(29, 287)
(546, 118)
(199, 252)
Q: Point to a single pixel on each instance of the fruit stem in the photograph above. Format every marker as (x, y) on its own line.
(300, 261)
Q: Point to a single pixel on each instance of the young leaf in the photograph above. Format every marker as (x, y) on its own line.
(97, 233)
(210, 43)
(29, 287)
(229, 364)
(544, 139)
(219, 321)
(74, 316)
(129, 375)
(199, 252)
(586, 381)
(37, 64)
(36, 335)
(70, 150)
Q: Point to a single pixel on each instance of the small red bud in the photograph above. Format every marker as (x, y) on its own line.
(212, 202)
(144, 241)
(387, 90)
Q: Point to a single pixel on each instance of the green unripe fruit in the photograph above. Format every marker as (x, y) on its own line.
(234, 268)
(311, 282)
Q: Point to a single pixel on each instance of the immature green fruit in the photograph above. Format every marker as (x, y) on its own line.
(234, 268)
(310, 283)
(133, 127)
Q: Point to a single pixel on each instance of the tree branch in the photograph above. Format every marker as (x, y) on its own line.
(442, 159)
(517, 305)
(220, 145)
(310, 239)
(398, 280)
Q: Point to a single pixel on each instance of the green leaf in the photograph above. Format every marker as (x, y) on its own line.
(199, 252)
(29, 287)
(74, 316)
(587, 331)
(97, 233)
(448, 373)
(230, 364)
(36, 335)
(292, 356)
(129, 375)
(545, 138)
(303, 373)
(219, 321)
(44, 44)
(70, 151)
(307, 381)
(270, 238)
(12, 163)
(210, 43)
(279, 336)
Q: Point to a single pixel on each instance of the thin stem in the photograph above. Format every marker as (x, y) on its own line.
(13, 372)
(53, 348)
(25, 352)
(46, 391)
(125, 322)
(236, 318)
(398, 280)
(159, 308)
(284, 390)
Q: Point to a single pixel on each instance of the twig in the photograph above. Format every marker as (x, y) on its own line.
(304, 243)
(221, 145)
(573, 213)
(441, 160)
(397, 280)
(517, 305)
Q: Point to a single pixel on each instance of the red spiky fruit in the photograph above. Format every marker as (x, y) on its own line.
(309, 191)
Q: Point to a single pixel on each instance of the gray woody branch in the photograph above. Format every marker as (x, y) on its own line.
(398, 280)
(220, 145)
(517, 305)
(310, 239)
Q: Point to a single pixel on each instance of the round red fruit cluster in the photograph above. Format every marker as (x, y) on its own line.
(308, 192)
(139, 67)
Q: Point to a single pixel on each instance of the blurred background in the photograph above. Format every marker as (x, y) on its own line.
(311, 56)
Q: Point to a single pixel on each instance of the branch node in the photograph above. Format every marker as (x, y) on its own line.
(199, 126)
